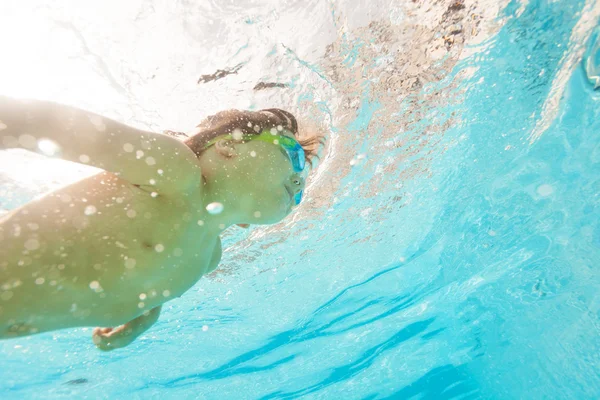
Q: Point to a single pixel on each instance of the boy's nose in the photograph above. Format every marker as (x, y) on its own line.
(297, 183)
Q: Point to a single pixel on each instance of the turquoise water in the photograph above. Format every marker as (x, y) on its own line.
(457, 259)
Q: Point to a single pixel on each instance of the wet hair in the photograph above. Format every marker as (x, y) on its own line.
(250, 123)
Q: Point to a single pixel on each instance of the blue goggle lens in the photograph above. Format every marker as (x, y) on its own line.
(296, 154)
(298, 197)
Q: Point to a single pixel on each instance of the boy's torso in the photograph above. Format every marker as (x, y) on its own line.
(99, 252)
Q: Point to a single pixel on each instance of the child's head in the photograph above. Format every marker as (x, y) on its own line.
(251, 122)
(253, 179)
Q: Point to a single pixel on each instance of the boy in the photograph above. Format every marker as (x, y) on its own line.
(110, 249)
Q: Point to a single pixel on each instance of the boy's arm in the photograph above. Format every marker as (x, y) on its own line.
(113, 338)
(140, 157)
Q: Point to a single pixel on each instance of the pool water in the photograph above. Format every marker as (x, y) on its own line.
(449, 241)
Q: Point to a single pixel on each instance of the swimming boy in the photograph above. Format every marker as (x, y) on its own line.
(110, 249)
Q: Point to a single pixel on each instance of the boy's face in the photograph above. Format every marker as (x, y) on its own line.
(258, 182)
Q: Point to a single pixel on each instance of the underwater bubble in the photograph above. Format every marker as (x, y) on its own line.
(141, 304)
(237, 134)
(214, 208)
(131, 213)
(166, 293)
(150, 160)
(357, 159)
(6, 295)
(48, 147)
(10, 141)
(142, 296)
(2, 126)
(273, 131)
(90, 210)
(159, 248)
(160, 171)
(97, 121)
(257, 214)
(28, 141)
(221, 226)
(252, 153)
(545, 190)
(84, 158)
(32, 244)
(177, 252)
(130, 263)
(153, 194)
(128, 147)
(200, 222)
(152, 181)
(40, 281)
(94, 285)
(279, 128)
(204, 328)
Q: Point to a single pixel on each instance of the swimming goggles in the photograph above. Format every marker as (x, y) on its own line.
(290, 145)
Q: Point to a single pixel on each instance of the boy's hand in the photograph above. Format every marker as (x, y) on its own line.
(108, 339)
